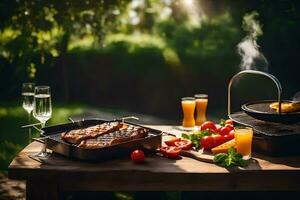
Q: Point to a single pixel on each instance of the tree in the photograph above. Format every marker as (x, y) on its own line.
(37, 33)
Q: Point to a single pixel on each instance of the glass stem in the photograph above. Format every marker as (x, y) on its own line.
(44, 150)
(29, 129)
(43, 124)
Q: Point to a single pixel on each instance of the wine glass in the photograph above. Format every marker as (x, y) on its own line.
(42, 111)
(28, 98)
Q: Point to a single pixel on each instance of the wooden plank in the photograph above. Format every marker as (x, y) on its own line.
(153, 163)
(188, 182)
(158, 173)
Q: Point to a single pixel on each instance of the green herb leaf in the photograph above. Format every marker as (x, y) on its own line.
(230, 159)
(196, 144)
(222, 122)
(185, 136)
(196, 137)
(238, 155)
(206, 133)
(220, 157)
(241, 162)
(198, 133)
(231, 151)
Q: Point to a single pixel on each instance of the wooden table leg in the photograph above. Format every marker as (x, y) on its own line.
(41, 190)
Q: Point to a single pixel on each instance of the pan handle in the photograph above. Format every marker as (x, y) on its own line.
(40, 140)
(129, 117)
(273, 78)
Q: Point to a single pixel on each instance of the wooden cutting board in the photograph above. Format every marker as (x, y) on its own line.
(199, 155)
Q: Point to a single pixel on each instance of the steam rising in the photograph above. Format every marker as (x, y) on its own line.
(248, 48)
(296, 96)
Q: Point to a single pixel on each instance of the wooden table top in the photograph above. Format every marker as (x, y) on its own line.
(158, 173)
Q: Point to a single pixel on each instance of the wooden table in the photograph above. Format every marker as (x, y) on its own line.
(58, 174)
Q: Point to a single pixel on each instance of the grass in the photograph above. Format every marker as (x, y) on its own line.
(13, 138)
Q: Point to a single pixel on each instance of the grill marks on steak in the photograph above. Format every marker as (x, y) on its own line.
(127, 135)
(78, 135)
(123, 135)
(105, 134)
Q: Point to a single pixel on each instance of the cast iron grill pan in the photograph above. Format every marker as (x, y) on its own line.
(57, 145)
(261, 110)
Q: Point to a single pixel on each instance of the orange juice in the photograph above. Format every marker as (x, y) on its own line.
(188, 107)
(201, 105)
(243, 139)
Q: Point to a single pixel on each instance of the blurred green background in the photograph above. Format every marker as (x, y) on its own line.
(140, 56)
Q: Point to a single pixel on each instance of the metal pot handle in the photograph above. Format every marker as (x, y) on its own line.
(273, 78)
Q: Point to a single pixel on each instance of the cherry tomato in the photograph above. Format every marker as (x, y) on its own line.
(231, 135)
(171, 152)
(207, 142)
(184, 144)
(213, 131)
(208, 125)
(229, 121)
(218, 139)
(224, 130)
(170, 140)
(218, 126)
(137, 156)
(226, 137)
(230, 126)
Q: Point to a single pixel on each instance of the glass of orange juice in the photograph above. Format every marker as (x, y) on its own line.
(201, 105)
(188, 107)
(243, 139)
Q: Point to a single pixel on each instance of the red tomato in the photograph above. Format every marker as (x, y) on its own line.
(184, 144)
(226, 137)
(230, 126)
(231, 135)
(137, 156)
(171, 152)
(170, 140)
(224, 130)
(208, 125)
(213, 131)
(229, 121)
(207, 142)
(218, 139)
(218, 126)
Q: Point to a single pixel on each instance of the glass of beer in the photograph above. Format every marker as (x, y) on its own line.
(243, 138)
(201, 105)
(188, 107)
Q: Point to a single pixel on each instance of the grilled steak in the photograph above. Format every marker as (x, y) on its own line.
(78, 135)
(113, 138)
